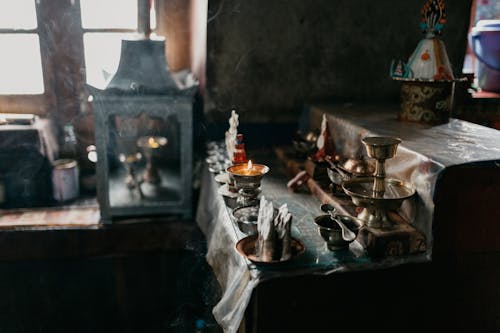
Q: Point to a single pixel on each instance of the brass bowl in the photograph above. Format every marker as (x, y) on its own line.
(381, 147)
(358, 167)
(346, 169)
(305, 144)
(331, 232)
(361, 191)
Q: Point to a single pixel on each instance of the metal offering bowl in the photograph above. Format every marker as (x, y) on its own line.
(246, 247)
(381, 147)
(247, 178)
(377, 204)
(358, 167)
(246, 218)
(247, 181)
(305, 144)
(341, 170)
(338, 172)
(336, 177)
(331, 232)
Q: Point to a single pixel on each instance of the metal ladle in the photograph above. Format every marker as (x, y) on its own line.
(347, 234)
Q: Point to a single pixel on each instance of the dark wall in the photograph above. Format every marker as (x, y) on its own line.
(153, 292)
(143, 276)
(267, 58)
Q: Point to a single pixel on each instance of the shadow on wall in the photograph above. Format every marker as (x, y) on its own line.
(269, 58)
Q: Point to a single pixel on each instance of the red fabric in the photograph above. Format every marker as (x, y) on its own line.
(324, 143)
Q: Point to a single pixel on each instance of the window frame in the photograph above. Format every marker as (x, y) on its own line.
(39, 104)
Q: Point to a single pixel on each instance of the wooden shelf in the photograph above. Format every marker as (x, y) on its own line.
(486, 94)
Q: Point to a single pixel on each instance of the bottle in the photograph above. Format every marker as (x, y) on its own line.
(239, 155)
(69, 145)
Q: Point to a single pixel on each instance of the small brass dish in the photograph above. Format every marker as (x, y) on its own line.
(358, 167)
(341, 170)
(246, 248)
(331, 232)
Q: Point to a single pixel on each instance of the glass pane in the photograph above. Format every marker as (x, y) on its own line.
(145, 168)
(102, 14)
(102, 55)
(20, 64)
(487, 10)
(19, 14)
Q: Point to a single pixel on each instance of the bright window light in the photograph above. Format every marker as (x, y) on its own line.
(18, 14)
(102, 55)
(105, 14)
(20, 64)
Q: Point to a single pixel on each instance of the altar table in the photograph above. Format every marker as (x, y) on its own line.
(322, 289)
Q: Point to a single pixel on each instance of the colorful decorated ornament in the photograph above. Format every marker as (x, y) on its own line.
(430, 60)
(433, 17)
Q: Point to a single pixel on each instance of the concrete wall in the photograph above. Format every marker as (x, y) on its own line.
(267, 58)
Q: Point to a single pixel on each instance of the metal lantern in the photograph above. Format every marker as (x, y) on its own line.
(143, 133)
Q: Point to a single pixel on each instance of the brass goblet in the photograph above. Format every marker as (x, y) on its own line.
(376, 194)
(247, 178)
(149, 145)
(130, 161)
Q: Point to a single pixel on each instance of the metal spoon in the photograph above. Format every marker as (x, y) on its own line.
(347, 234)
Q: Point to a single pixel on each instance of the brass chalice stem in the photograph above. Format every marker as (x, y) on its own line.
(379, 181)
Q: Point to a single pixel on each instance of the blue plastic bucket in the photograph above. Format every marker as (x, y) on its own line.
(484, 40)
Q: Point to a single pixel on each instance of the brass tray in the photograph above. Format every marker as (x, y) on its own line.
(246, 248)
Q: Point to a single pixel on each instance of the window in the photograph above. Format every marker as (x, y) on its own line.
(103, 31)
(20, 60)
(481, 10)
(487, 10)
(102, 34)
(50, 49)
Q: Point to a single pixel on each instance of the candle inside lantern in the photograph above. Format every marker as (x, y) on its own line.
(150, 146)
(152, 142)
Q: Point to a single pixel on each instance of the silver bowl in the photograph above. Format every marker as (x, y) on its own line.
(331, 232)
(247, 182)
(246, 218)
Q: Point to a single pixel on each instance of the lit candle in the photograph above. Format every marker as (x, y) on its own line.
(246, 178)
(249, 169)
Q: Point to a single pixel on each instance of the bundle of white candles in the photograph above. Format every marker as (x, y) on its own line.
(231, 133)
(274, 232)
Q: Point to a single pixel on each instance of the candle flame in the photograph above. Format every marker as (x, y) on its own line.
(152, 143)
(249, 165)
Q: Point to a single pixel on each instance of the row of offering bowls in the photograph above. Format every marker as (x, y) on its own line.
(367, 185)
(240, 182)
(363, 181)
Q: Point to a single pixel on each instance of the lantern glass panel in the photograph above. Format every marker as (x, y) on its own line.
(144, 166)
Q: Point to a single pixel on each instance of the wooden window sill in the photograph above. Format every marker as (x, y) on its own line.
(75, 231)
(53, 217)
